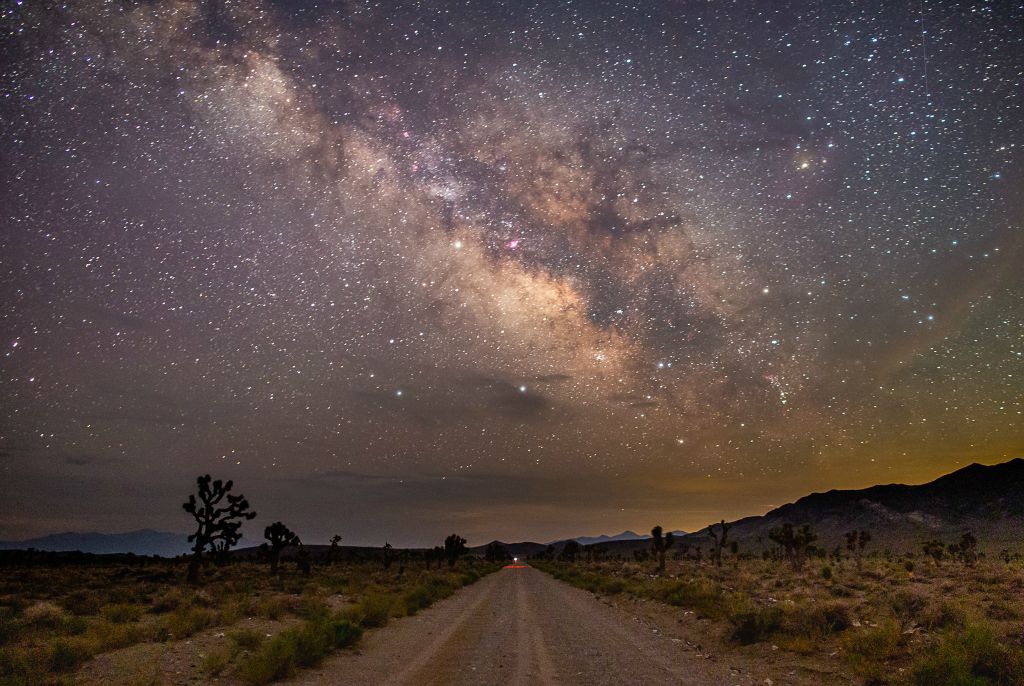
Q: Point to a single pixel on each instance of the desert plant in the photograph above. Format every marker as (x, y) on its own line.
(496, 552)
(217, 527)
(934, 549)
(278, 538)
(454, 548)
(334, 550)
(856, 541)
(659, 544)
(571, 550)
(719, 540)
(794, 542)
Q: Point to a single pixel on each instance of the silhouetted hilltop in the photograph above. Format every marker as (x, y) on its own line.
(141, 542)
(986, 500)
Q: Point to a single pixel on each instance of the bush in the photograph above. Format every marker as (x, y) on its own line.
(699, 596)
(187, 620)
(67, 654)
(122, 613)
(374, 610)
(751, 626)
(279, 657)
(818, 620)
(83, 603)
(971, 657)
(867, 649)
(274, 660)
(216, 661)
(246, 639)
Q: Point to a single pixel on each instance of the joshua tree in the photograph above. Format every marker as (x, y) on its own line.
(496, 552)
(660, 544)
(794, 542)
(719, 540)
(217, 523)
(454, 548)
(934, 549)
(856, 541)
(302, 560)
(278, 538)
(966, 549)
(332, 553)
(385, 555)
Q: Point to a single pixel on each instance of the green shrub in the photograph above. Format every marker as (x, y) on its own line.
(187, 620)
(67, 653)
(122, 613)
(970, 657)
(274, 660)
(83, 603)
(374, 610)
(279, 657)
(247, 639)
(867, 649)
(751, 626)
(216, 661)
(700, 596)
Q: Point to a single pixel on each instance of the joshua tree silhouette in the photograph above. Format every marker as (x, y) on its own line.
(217, 523)
(454, 548)
(719, 540)
(659, 544)
(278, 538)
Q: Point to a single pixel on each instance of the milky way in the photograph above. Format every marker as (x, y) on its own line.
(512, 269)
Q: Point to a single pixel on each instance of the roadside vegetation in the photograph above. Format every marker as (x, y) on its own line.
(866, 616)
(240, 619)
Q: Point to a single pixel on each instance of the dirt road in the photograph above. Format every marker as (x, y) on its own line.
(519, 626)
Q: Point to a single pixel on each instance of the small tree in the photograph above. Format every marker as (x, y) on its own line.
(719, 540)
(385, 555)
(334, 551)
(278, 538)
(218, 523)
(966, 549)
(659, 544)
(934, 549)
(795, 543)
(454, 548)
(571, 550)
(856, 541)
(496, 552)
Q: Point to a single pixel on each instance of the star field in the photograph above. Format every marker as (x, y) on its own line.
(518, 269)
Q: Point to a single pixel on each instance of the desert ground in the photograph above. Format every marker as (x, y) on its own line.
(901, 620)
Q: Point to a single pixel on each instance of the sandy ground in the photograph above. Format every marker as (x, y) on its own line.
(520, 626)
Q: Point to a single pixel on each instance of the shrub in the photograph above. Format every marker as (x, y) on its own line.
(187, 620)
(817, 620)
(122, 613)
(66, 654)
(751, 626)
(273, 661)
(374, 610)
(216, 661)
(271, 608)
(867, 649)
(279, 657)
(43, 615)
(971, 657)
(246, 639)
(83, 603)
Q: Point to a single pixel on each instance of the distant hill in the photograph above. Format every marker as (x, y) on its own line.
(141, 542)
(624, 536)
(986, 500)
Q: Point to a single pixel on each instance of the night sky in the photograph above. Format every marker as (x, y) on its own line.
(511, 269)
